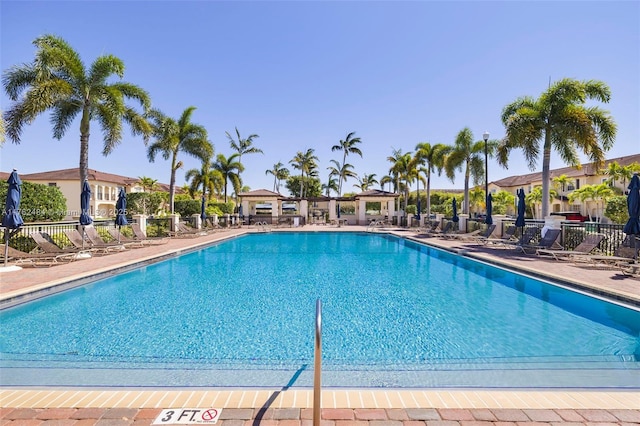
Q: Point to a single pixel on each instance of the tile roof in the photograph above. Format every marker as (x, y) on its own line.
(587, 169)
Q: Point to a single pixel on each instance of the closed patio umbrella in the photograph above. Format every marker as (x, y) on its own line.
(85, 200)
(489, 220)
(121, 210)
(454, 206)
(12, 220)
(203, 214)
(521, 208)
(632, 227)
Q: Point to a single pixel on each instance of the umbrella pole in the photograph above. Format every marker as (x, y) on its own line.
(6, 246)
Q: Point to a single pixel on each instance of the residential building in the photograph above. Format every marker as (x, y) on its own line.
(588, 174)
(105, 188)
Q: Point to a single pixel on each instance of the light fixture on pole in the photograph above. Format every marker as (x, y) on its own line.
(485, 137)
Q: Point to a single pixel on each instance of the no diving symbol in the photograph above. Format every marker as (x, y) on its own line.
(209, 415)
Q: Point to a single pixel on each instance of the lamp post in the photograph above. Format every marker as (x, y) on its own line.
(485, 136)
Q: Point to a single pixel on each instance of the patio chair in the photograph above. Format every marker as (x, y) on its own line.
(21, 258)
(586, 246)
(547, 242)
(527, 236)
(96, 240)
(78, 241)
(184, 231)
(46, 244)
(139, 235)
(123, 239)
(624, 255)
(508, 235)
(472, 236)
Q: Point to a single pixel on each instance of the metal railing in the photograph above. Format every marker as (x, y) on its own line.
(317, 368)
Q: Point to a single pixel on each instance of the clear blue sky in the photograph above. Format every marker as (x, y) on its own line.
(304, 74)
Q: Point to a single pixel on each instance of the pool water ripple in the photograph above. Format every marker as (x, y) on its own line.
(388, 305)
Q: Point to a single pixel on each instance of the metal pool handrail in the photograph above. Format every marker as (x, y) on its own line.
(317, 369)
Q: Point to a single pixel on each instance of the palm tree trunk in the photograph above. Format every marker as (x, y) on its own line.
(546, 160)
(84, 147)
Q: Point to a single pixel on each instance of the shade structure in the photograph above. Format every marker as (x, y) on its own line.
(203, 206)
(454, 206)
(521, 208)
(632, 227)
(12, 220)
(489, 220)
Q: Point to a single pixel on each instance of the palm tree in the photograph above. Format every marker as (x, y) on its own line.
(477, 199)
(57, 80)
(560, 118)
(593, 192)
(366, 182)
(347, 146)
(432, 157)
(342, 172)
(386, 179)
(230, 169)
(306, 163)
(560, 184)
(243, 146)
(467, 155)
(211, 180)
(279, 173)
(148, 183)
(331, 185)
(401, 169)
(175, 136)
(535, 197)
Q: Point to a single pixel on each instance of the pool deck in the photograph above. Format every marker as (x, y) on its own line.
(341, 407)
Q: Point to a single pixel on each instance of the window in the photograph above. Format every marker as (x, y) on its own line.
(570, 187)
(52, 184)
(577, 183)
(99, 196)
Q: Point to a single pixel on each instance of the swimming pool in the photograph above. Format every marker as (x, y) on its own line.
(396, 314)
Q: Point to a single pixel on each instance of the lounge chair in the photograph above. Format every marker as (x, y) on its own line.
(586, 246)
(123, 239)
(78, 241)
(22, 258)
(184, 231)
(473, 236)
(547, 242)
(97, 241)
(622, 257)
(508, 235)
(47, 245)
(528, 235)
(139, 235)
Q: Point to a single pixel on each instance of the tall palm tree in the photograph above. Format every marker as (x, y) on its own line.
(432, 158)
(467, 155)
(366, 182)
(57, 80)
(279, 173)
(306, 163)
(560, 119)
(175, 136)
(243, 146)
(230, 169)
(402, 170)
(210, 180)
(386, 179)
(342, 172)
(347, 146)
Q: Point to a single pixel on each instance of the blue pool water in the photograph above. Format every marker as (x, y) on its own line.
(395, 313)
